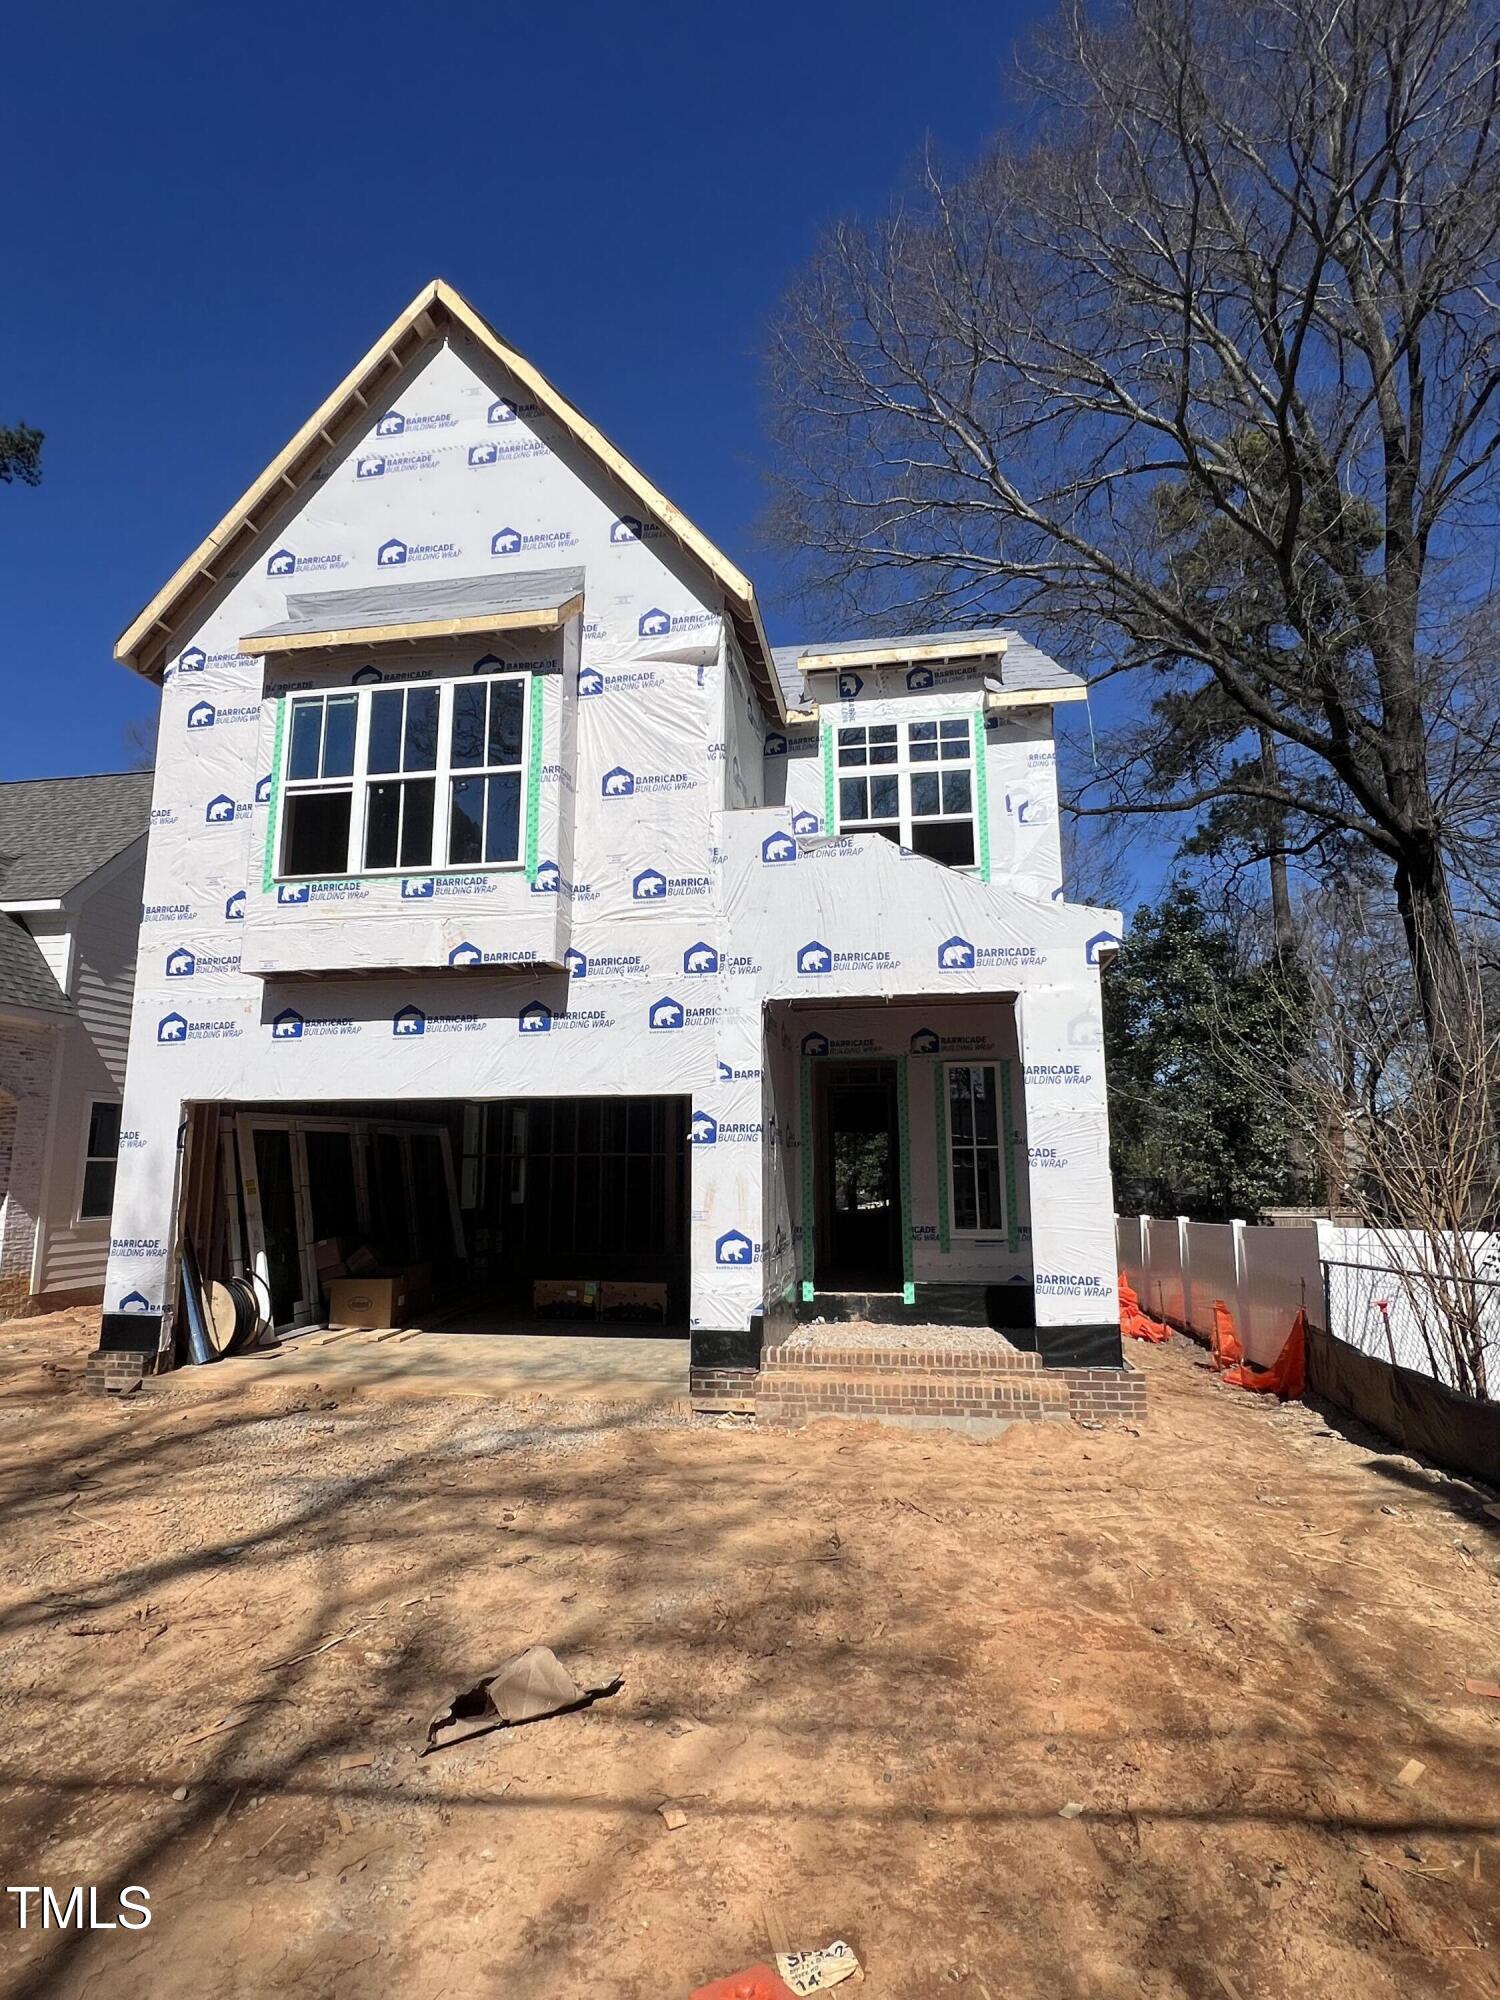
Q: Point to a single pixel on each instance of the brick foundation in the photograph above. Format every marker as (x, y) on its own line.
(724, 1391)
(117, 1374)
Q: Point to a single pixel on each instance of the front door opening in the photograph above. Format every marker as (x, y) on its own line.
(857, 1160)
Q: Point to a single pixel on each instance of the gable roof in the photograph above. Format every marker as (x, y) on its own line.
(1020, 667)
(55, 832)
(25, 977)
(436, 310)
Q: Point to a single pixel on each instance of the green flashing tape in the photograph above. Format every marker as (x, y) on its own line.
(1011, 1136)
(268, 871)
(807, 1179)
(534, 773)
(981, 795)
(903, 1127)
(830, 822)
(940, 1126)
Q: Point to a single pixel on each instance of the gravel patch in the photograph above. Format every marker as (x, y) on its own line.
(866, 1333)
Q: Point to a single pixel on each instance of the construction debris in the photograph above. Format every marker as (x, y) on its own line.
(526, 1687)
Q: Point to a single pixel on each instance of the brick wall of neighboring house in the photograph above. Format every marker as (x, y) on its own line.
(26, 1057)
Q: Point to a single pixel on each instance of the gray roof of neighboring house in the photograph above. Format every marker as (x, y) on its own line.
(54, 832)
(420, 603)
(1022, 665)
(25, 976)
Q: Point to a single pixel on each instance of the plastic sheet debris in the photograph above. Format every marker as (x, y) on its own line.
(1287, 1375)
(1135, 1322)
(523, 1688)
(1224, 1341)
(794, 1973)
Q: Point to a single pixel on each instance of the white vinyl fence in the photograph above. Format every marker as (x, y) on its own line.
(1358, 1283)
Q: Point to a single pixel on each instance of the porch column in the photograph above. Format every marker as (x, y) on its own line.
(1061, 1034)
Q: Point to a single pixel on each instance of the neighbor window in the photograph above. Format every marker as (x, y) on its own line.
(912, 782)
(101, 1153)
(974, 1141)
(417, 776)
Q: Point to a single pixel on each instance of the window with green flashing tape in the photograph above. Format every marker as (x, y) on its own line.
(403, 777)
(976, 1148)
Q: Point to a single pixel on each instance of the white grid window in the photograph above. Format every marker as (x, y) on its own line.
(421, 775)
(913, 782)
(975, 1160)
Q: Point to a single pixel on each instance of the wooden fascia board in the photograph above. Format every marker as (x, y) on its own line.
(891, 653)
(424, 630)
(1032, 697)
(350, 392)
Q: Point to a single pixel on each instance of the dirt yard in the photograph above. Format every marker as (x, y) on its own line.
(877, 1671)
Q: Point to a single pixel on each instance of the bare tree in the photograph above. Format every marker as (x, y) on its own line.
(1253, 252)
(1408, 1154)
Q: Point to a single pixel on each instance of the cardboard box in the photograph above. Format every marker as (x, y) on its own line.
(622, 1299)
(565, 1298)
(378, 1300)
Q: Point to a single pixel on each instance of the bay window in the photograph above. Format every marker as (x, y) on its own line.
(974, 1142)
(420, 775)
(913, 782)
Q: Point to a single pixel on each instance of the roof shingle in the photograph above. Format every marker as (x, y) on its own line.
(54, 832)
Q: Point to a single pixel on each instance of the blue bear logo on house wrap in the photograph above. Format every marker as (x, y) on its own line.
(287, 1026)
(392, 424)
(575, 964)
(1101, 941)
(193, 661)
(665, 1013)
(369, 468)
(617, 784)
(292, 892)
(466, 954)
(734, 1247)
(919, 678)
(391, 554)
(814, 957)
(849, 686)
(219, 810)
(778, 847)
(181, 964)
(234, 908)
(483, 453)
(505, 542)
(535, 1018)
(548, 879)
(281, 563)
(408, 1021)
(590, 681)
(134, 1302)
(417, 889)
(955, 954)
(171, 1028)
(648, 886)
(202, 715)
(703, 1130)
(651, 624)
(700, 958)
(815, 1044)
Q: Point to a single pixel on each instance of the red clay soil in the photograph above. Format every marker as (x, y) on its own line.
(872, 1668)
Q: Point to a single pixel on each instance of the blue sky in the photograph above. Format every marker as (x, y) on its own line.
(226, 208)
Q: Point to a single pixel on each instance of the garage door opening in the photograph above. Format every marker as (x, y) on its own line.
(563, 1213)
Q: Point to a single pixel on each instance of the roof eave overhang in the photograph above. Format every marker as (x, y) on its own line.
(892, 653)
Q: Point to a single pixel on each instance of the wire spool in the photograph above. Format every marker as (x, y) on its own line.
(250, 1321)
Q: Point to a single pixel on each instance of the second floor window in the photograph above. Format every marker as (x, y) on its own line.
(390, 780)
(912, 782)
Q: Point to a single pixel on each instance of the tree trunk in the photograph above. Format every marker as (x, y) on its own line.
(1283, 923)
(1432, 939)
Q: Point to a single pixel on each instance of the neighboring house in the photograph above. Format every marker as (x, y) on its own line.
(513, 906)
(72, 856)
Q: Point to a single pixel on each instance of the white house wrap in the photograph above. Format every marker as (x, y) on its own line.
(677, 912)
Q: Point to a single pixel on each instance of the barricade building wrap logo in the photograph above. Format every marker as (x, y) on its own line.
(135, 1302)
(466, 954)
(805, 822)
(607, 965)
(174, 1028)
(652, 886)
(814, 1044)
(263, 790)
(194, 660)
(960, 954)
(926, 1043)
(1061, 1076)
(815, 958)
(394, 554)
(1101, 941)
(658, 624)
(1045, 1159)
(222, 810)
(505, 410)
(548, 879)
(849, 687)
(287, 1026)
(380, 464)
(408, 1022)
(703, 1130)
(535, 1018)
(1086, 1285)
(777, 848)
(234, 907)
(287, 562)
(734, 1247)
(503, 450)
(665, 1013)
(395, 423)
(919, 679)
(622, 784)
(626, 528)
(203, 715)
(181, 963)
(700, 958)
(517, 542)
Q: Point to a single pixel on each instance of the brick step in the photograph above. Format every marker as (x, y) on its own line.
(794, 1395)
(989, 1359)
